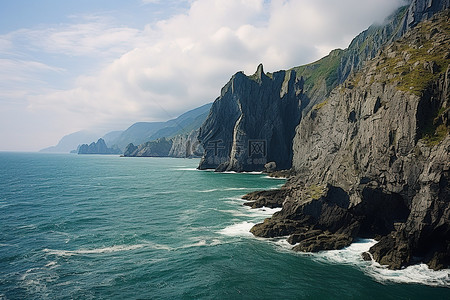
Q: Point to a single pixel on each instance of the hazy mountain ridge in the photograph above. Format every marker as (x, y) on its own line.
(138, 133)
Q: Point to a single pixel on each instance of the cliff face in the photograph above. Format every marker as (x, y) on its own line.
(250, 110)
(182, 145)
(158, 148)
(186, 145)
(252, 122)
(97, 148)
(373, 159)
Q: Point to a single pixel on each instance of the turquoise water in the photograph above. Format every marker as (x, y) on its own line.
(105, 227)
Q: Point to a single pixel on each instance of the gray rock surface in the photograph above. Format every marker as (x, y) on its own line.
(373, 159)
(253, 122)
(186, 145)
(98, 147)
(158, 148)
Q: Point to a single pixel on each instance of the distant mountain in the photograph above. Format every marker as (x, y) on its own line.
(143, 132)
(184, 124)
(71, 142)
(138, 133)
(111, 136)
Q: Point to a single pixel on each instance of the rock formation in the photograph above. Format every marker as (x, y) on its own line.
(158, 148)
(373, 160)
(186, 145)
(182, 146)
(253, 122)
(98, 147)
(250, 109)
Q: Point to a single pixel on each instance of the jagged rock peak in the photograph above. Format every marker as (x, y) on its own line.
(259, 74)
(260, 70)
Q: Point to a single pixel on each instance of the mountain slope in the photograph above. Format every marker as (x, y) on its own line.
(71, 142)
(225, 126)
(143, 132)
(373, 160)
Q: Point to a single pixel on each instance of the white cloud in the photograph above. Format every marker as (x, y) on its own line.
(182, 62)
(93, 38)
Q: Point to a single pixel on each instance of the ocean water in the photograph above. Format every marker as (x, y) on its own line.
(105, 227)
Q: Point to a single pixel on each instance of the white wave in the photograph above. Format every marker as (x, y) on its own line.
(239, 229)
(262, 211)
(203, 243)
(228, 189)
(234, 199)
(185, 169)
(279, 178)
(234, 172)
(235, 213)
(105, 250)
(51, 264)
(417, 274)
(209, 191)
(348, 255)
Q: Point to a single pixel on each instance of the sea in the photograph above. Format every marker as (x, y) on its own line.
(108, 227)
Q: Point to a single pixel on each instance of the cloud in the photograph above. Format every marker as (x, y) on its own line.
(95, 37)
(159, 71)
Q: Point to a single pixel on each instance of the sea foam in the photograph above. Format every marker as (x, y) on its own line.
(111, 249)
(351, 255)
(239, 229)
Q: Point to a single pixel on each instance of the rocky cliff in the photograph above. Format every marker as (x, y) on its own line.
(253, 122)
(158, 148)
(230, 133)
(373, 160)
(186, 145)
(98, 147)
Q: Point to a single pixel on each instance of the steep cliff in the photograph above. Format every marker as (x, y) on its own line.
(98, 147)
(253, 122)
(248, 114)
(373, 159)
(324, 75)
(158, 148)
(186, 145)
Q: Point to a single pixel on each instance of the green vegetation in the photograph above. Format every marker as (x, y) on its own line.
(414, 65)
(435, 131)
(325, 69)
(434, 138)
(315, 191)
(320, 105)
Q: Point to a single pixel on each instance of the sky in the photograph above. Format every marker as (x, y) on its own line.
(102, 65)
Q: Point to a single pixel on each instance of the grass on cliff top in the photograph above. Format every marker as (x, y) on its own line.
(408, 64)
(325, 69)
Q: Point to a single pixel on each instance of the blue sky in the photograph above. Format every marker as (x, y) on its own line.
(102, 65)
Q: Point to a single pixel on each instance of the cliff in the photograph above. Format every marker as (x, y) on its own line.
(158, 148)
(186, 145)
(372, 160)
(98, 147)
(253, 122)
(259, 112)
